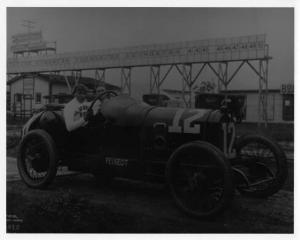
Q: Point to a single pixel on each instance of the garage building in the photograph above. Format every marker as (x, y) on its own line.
(26, 93)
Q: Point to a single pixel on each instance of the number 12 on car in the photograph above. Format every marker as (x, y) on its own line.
(187, 122)
(228, 139)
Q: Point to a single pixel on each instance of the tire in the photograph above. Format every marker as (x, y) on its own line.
(270, 170)
(195, 174)
(37, 159)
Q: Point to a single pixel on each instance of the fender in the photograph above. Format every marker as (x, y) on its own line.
(29, 123)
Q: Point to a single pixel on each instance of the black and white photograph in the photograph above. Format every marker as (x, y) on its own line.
(149, 119)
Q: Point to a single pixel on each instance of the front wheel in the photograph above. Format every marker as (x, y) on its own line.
(262, 165)
(200, 180)
(37, 159)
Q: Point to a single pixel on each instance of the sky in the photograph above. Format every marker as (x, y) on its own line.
(80, 29)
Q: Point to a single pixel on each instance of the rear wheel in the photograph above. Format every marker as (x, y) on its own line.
(37, 159)
(200, 179)
(261, 164)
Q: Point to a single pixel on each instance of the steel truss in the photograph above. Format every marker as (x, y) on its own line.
(76, 75)
(99, 77)
(262, 72)
(155, 80)
(126, 80)
(220, 69)
(188, 81)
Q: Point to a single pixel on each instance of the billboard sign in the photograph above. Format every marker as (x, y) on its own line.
(33, 46)
(27, 37)
(28, 42)
(212, 50)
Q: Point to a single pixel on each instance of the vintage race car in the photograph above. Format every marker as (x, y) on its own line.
(195, 151)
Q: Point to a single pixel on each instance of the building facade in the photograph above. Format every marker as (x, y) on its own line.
(27, 93)
(280, 103)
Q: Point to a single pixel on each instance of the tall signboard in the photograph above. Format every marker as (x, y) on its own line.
(27, 37)
(32, 41)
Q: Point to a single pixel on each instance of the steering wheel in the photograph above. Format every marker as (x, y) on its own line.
(106, 94)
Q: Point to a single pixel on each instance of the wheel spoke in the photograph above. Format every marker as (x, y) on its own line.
(267, 180)
(199, 185)
(34, 157)
(259, 160)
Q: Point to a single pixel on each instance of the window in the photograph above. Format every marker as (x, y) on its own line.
(18, 97)
(38, 98)
(288, 107)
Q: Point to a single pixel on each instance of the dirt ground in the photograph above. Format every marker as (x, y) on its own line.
(77, 204)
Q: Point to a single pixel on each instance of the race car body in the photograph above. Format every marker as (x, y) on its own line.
(136, 132)
(194, 150)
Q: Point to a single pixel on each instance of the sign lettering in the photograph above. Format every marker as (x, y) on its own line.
(116, 162)
(287, 89)
(188, 52)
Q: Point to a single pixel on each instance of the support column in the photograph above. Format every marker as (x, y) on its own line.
(262, 73)
(187, 83)
(126, 80)
(99, 77)
(223, 77)
(155, 79)
(220, 72)
(76, 75)
(266, 89)
(263, 92)
(225, 80)
(69, 85)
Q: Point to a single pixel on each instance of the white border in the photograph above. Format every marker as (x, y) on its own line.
(139, 3)
(149, 3)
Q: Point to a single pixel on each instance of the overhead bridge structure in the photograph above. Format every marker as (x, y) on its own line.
(188, 58)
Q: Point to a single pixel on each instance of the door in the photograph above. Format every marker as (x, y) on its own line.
(288, 107)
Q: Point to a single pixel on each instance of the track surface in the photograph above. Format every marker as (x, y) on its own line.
(76, 203)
